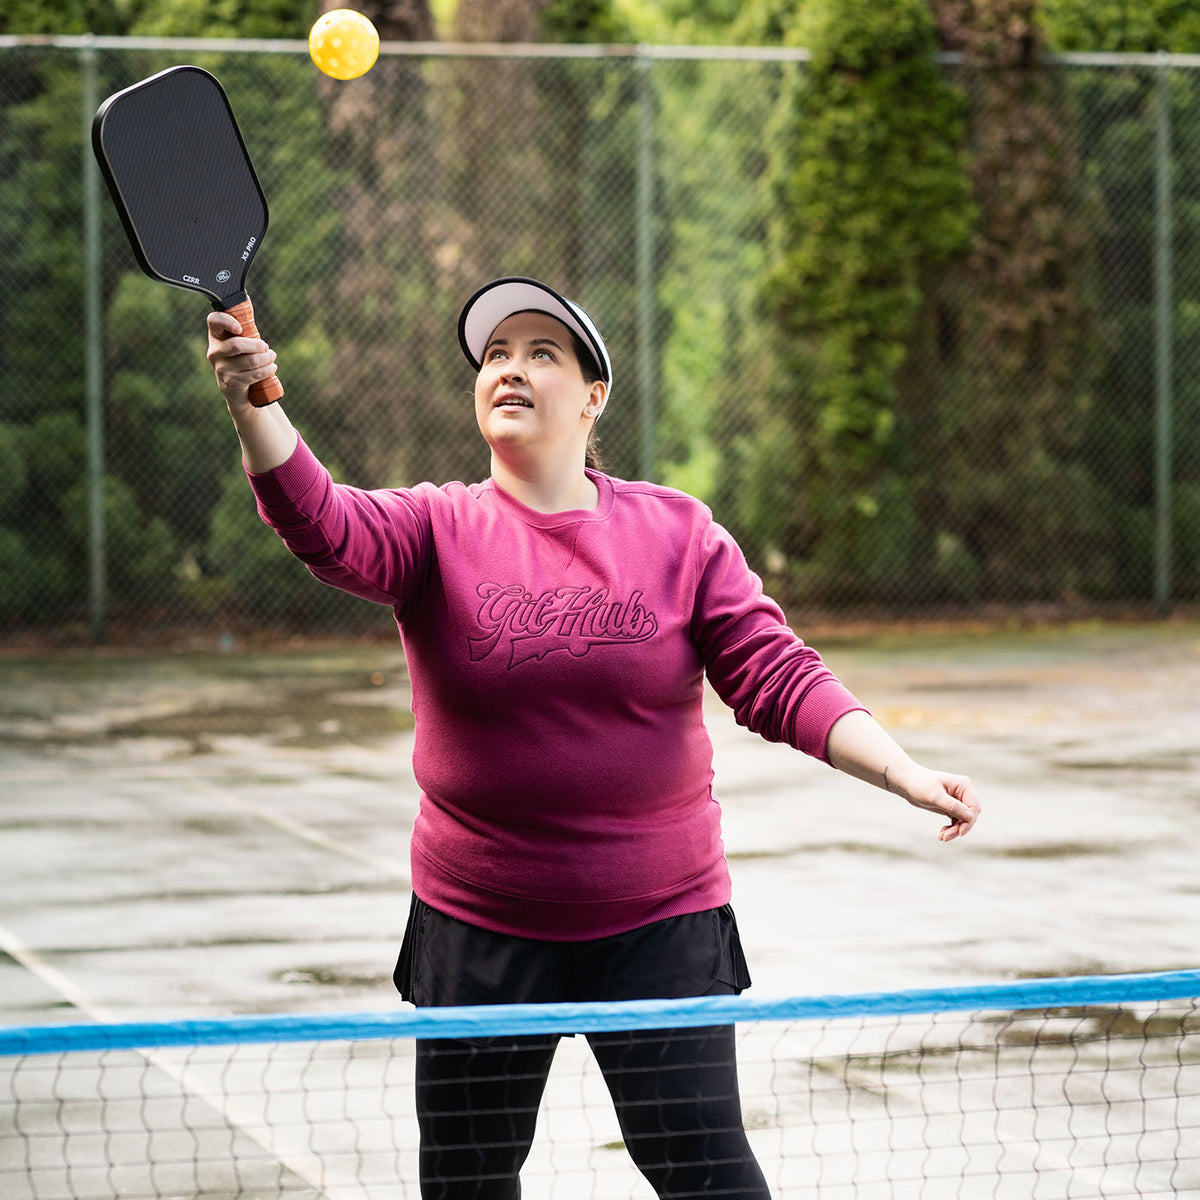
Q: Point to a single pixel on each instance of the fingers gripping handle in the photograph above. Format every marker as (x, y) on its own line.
(266, 391)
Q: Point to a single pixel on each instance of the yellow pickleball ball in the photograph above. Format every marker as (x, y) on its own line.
(343, 43)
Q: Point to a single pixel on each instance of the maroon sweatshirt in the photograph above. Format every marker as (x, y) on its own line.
(557, 666)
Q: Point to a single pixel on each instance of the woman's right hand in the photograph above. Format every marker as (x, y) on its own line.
(267, 436)
(236, 361)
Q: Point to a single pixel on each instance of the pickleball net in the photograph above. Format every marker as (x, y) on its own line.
(1080, 1087)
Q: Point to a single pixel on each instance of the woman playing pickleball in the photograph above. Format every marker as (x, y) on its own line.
(559, 625)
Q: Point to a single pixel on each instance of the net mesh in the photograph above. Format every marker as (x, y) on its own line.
(1093, 1092)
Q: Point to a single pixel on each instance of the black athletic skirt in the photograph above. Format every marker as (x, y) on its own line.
(444, 961)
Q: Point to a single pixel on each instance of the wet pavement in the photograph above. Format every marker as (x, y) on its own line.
(209, 833)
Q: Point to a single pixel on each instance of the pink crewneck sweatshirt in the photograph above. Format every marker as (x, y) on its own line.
(557, 666)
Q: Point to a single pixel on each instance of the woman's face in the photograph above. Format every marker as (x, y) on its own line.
(530, 393)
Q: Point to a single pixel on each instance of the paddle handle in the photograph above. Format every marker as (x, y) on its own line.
(266, 391)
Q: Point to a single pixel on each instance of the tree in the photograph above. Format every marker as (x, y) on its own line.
(872, 200)
(382, 386)
(1000, 389)
(532, 178)
(63, 17)
(1117, 111)
(223, 18)
(1121, 26)
(166, 455)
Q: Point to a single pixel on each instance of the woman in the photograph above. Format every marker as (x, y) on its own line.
(558, 626)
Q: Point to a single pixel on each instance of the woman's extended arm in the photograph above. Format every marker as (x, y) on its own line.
(858, 745)
(267, 436)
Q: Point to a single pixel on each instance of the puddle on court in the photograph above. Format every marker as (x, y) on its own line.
(816, 848)
(339, 978)
(1061, 850)
(300, 719)
(1167, 762)
(303, 703)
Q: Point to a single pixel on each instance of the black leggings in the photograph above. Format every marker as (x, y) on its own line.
(675, 1092)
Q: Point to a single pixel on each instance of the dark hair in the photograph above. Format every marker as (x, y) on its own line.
(591, 374)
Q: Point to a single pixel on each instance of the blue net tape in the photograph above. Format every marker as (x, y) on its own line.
(521, 1019)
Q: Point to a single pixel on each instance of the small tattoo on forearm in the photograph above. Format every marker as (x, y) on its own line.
(886, 786)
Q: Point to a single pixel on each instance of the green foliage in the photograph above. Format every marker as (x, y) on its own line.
(39, 242)
(54, 445)
(162, 18)
(706, 22)
(1122, 26)
(225, 18)
(876, 200)
(64, 16)
(1186, 550)
(253, 575)
(699, 21)
(1000, 396)
(140, 548)
(872, 199)
(247, 557)
(533, 183)
(166, 444)
(13, 468)
(582, 21)
(879, 346)
(1117, 114)
(714, 114)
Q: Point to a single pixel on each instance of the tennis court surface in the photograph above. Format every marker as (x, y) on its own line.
(201, 835)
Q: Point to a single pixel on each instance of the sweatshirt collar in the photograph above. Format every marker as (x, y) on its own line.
(572, 516)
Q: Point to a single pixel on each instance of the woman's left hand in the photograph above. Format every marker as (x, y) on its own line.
(952, 796)
(858, 745)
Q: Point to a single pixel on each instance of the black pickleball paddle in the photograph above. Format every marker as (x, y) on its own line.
(183, 184)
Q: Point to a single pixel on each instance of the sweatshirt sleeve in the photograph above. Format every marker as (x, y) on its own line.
(777, 686)
(372, 544)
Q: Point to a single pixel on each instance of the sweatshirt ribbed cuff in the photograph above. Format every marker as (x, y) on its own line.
(289, 483)
(823, 707)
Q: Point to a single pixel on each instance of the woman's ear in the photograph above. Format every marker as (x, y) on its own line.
(597, 398)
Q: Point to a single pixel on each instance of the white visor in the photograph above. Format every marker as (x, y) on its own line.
(500, 299)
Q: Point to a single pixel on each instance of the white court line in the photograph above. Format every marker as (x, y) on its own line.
(230, 800)
(52, 977)
(304, 832)
(297, 1158)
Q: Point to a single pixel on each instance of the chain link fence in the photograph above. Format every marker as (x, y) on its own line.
(640, 183)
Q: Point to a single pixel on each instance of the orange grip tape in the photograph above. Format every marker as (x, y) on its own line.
(266, 391)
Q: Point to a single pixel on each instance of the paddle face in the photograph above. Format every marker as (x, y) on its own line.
(183, 184)
(182, 181)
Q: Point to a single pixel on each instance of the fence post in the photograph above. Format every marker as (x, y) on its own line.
(645, 262)
(1164, 338)
(93, 355)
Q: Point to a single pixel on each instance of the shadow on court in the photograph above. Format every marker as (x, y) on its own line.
(186, 835)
